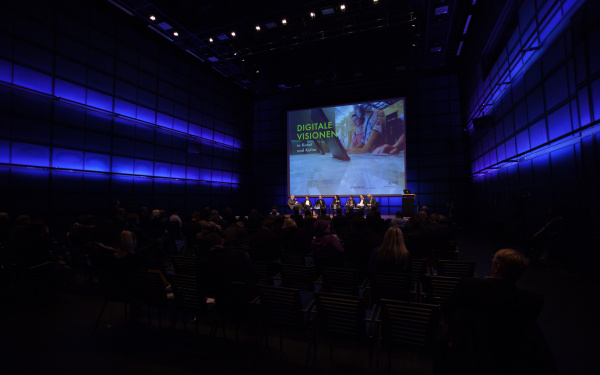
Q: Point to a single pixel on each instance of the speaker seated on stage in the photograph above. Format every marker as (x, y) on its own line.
(372, 204)
(307, 205)
(350, 204)
(362, 203)
(335, 204)
(320, 204)
(292, 203)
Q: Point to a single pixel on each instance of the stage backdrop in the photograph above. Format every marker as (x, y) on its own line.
(347, 150)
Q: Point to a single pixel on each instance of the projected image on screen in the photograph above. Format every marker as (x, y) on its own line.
(347, 150)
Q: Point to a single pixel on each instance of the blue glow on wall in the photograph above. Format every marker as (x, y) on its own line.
(97, 162)
(99, 100)
(144, 167)
(69, 159)
(32, 79)
(5, 71)
(122, 165)
(193, 173)
(70, 91)
(178, 171)
(27, 154)
(4, 151)
(125, 108)
(559, 122)
(146, 114)
(162, 169)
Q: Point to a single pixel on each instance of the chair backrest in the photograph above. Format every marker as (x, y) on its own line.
(283, 306)
(298, 276)
(456, 268)
(340, 280)
(188, 293)
(341, 315)
(391, 285)
(437, 289)
(418, 268)
(408, 323)
(148, 287)
(184, 265)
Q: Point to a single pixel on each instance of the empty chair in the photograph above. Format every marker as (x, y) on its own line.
(391, 285)
(148, 288)
(189, 297)
(298, 276)
(341, 281)
(342, 318)
(282, 308)
(456, 269)
(437, 289)
(409, 325)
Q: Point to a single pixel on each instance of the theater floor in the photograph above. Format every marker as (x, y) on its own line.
(49, 332)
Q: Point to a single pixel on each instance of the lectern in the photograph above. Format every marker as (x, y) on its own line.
(408, 205)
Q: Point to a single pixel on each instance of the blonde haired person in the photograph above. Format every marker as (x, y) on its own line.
(392, 255)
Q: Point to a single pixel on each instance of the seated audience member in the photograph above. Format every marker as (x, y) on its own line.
(399, 221)
(217, 219)
(339, 220)
(492, 323)
(274, 211)
(235, 232)
(264, 243)
(323, 215)
(324, 243)
(222, 265)
(392, 255)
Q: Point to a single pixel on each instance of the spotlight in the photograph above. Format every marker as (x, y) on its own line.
(343, 7)
(375, 1)
(233, 34)
(284, 21)
(152, 18)
(210, 40)
(257, 28)
(312, 14)
(175, 33)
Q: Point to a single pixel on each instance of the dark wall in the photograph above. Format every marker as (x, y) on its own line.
(435, 147)
(539, 146)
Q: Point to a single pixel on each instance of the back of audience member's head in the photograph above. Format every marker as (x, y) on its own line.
(296, 211)
(399, 214)
(133, 219)
(268, 223)
(289, 223)
(434, 218)
(508, 264)
(213, 239)
(322, 211)
(338, 211)
(127, 242)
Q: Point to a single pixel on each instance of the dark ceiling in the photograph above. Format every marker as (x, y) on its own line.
(368, 40)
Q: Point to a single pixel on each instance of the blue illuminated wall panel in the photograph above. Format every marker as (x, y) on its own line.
(555, 115)
(83, 99)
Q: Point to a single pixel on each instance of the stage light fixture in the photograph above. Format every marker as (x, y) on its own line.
(375, 1)
(312, 15)
(152, 18)
(343, 7)
(257, 28)
(222, 36)
(210, 40)
(284, 21)
(175, 33)
(233, 34)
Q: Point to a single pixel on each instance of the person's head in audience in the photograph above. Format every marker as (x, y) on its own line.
(296, 211)
(399, 214)
(213, 240)
(133, 219)
(308, 214)
(156, 214)
(338, 212)
(508, 264)
(323, 212)
(289, 224)
(392, 248)
(127, 242)
(434, 218)
(196, 216)
(267, 223)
